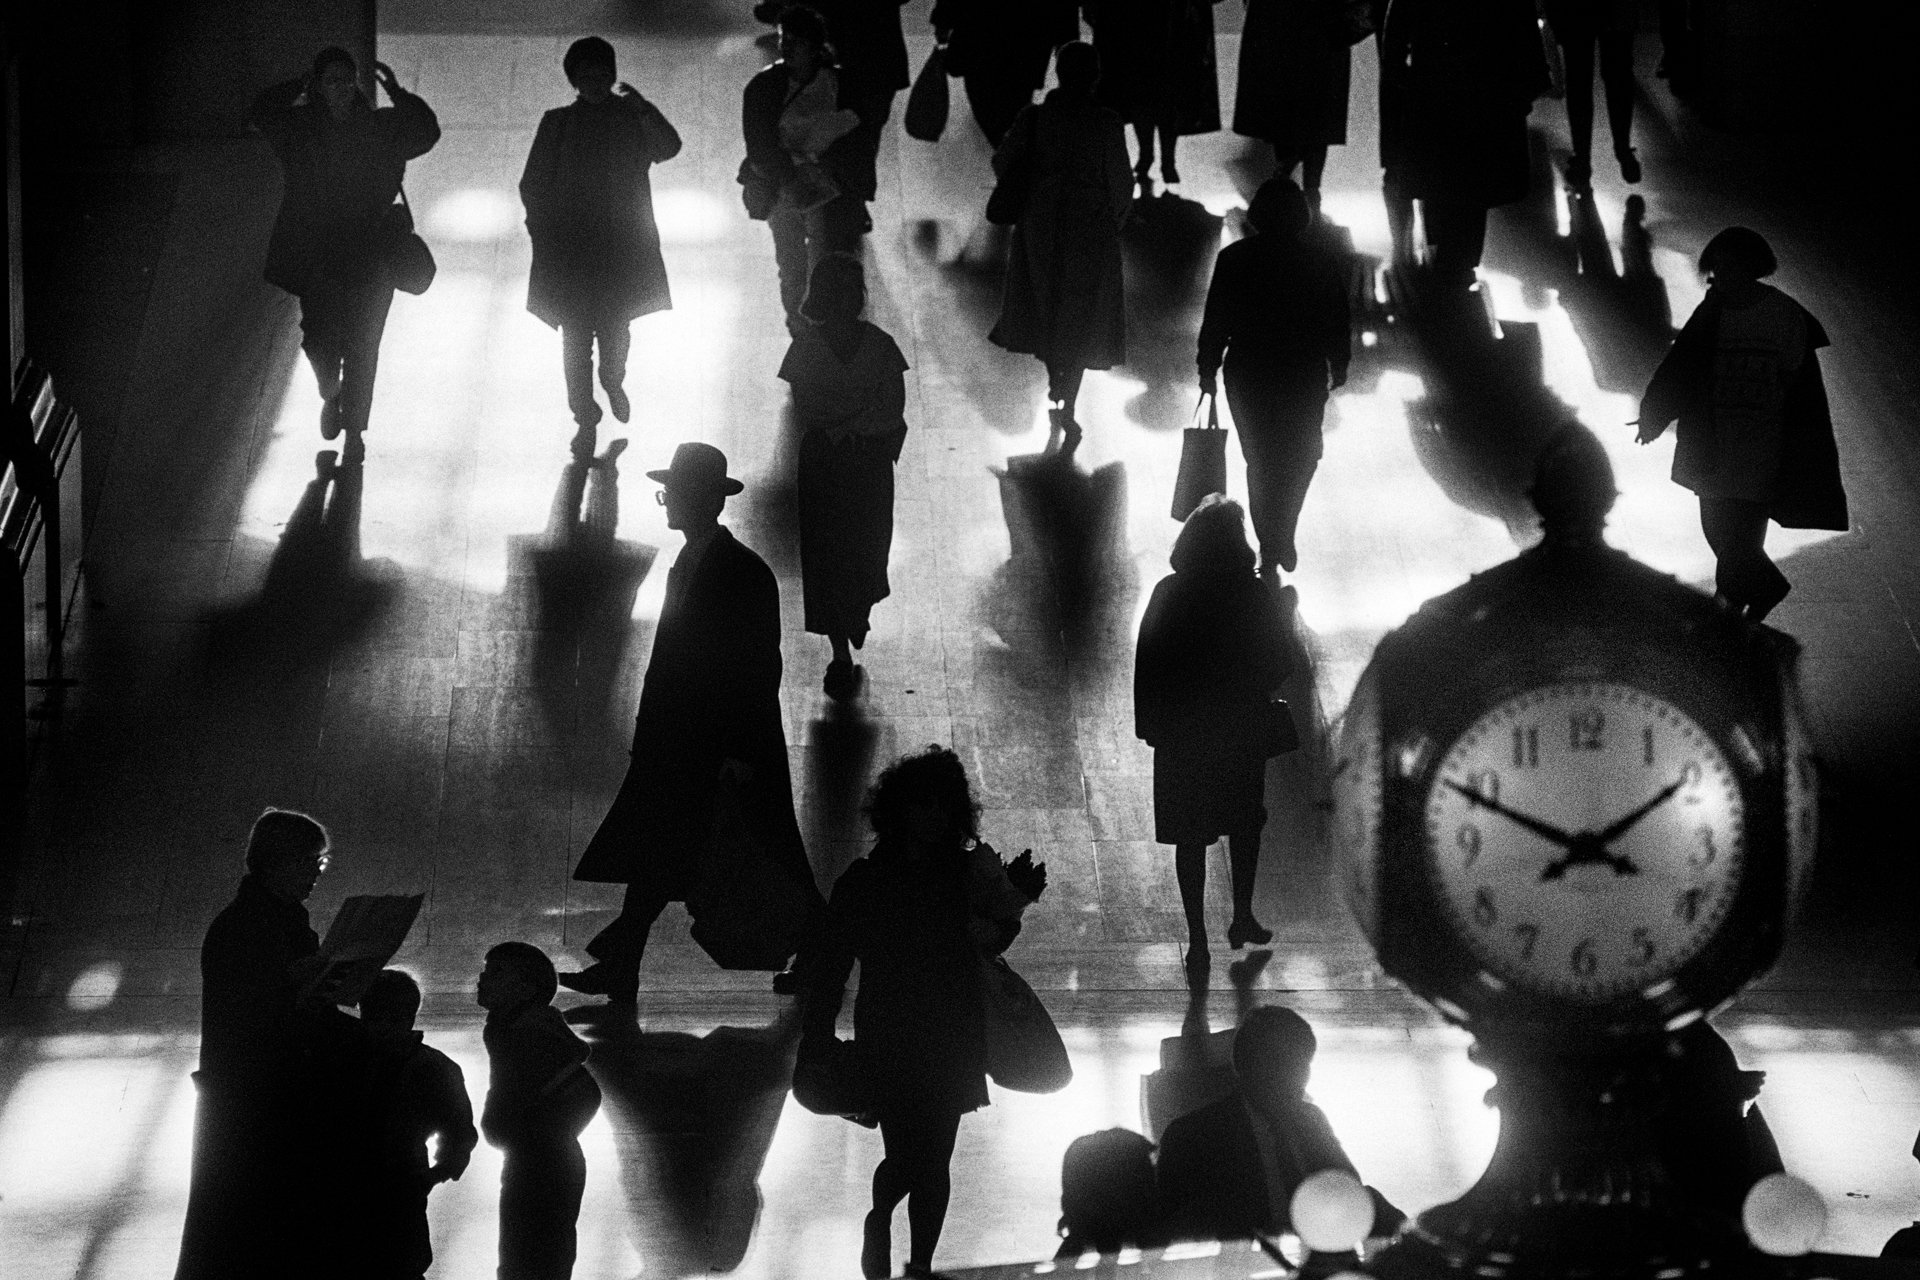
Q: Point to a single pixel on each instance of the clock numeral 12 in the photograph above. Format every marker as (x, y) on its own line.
(1526, 747)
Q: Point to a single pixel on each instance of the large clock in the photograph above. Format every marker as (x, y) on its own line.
(1588, 839)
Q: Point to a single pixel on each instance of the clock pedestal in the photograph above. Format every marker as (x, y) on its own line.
(1577, 1186)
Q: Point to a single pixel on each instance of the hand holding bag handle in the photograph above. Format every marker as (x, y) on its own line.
(1203, 459)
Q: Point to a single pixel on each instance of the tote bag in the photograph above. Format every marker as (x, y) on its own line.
(409, 263)
(929, 100)
(1203, 460)
(1024, 1049)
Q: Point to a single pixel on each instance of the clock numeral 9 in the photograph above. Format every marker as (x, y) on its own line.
(1528, 935)
(1642, 947)
(1706, 853)
(1526, 746)
(1586, 730)
(1484, 913)
(1583, 961)
(1686, 907)
(1468, 838)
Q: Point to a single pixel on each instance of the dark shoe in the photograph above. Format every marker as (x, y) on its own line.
(1246, 929)
(325, 463)
(1169, 174)
(842, 680)
(1579, 171)
(598, 980)
(585, 440)
(612, 454)
(1289, 557)
(876, 1245)
(1629, 164)
(355, 452)
(618, 402)
(330, 423)
(1198, 964)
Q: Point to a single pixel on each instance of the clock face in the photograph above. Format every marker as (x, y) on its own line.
(1356, 804)
(1587, 840)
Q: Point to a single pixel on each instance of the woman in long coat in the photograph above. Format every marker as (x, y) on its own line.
(1065, 296)
(1755, 438)
(1212, 651)
(596, 250)
(919, 1037)
(1294, 76)
(1457, 80)
(850, 395)
(1157, 69)
(343, 161)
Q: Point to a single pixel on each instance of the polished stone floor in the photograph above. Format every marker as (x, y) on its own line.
(441, 663)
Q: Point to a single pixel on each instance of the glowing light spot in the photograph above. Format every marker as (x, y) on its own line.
(1783, 1216)
(95, 989)
(685, 216)
(1331, 1211)
(473, 215)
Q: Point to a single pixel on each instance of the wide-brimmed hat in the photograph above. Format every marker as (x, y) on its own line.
(699, 467)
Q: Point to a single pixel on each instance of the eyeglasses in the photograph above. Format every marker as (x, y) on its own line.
(660, 496)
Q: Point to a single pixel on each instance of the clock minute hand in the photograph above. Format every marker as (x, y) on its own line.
(1545, 830)
(1609, 834)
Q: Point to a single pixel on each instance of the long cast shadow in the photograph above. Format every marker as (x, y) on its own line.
(693, 1117)
(1169, 245)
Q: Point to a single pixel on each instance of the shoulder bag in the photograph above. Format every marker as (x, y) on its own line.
(404, 255)
(1024, 1049)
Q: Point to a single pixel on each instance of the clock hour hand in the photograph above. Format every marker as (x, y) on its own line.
(1607, 835)
(1545, 830)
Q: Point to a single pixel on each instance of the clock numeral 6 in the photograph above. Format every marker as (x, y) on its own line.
(1484, 912)
(1586, 730)
(1642, 947)
(1583, 961)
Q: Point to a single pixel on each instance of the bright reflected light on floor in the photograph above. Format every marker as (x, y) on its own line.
(1364, 214)
(686, 216)
(95, 987)
(474, 215)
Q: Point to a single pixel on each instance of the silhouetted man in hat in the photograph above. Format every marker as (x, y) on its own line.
(709, 708)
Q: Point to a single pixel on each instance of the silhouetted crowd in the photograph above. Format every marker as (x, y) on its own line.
(301, 1103)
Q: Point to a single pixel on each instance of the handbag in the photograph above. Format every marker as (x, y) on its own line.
(829, 1080)
(749, 911)
(1011, 193)
(1278, 733)
(929, 100)
(1203, 460)
(1024, 1049)
(408, 262)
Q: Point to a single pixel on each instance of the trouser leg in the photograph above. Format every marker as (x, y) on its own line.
(1737, 532)
(360, 352)
(1399, 217)
(1578, 53)
(622, 944)
(1616, 76)
(576, 362)
(1190, 870)
(615, 339)
(541, 1186)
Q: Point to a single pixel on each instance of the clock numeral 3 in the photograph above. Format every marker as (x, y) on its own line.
(1526, 747)
(1642, 947)
(1587, 730)
(1468, 838)
(1484, 913)
(1528, 935)
(1583, 961)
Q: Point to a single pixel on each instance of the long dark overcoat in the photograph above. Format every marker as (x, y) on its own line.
(1065, 296)
(711, 693)
(589, 201)
(1157, 62)
(868, 44)
(1807, 493)
(1294, 74)
(1457, 80)
(340, 177)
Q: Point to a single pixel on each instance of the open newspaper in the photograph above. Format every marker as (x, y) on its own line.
(365, 933)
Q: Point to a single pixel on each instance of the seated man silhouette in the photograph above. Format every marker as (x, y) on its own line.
(411, 1095)
(1229, 1169)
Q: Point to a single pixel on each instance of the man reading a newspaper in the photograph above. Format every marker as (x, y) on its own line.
(255, 1172)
